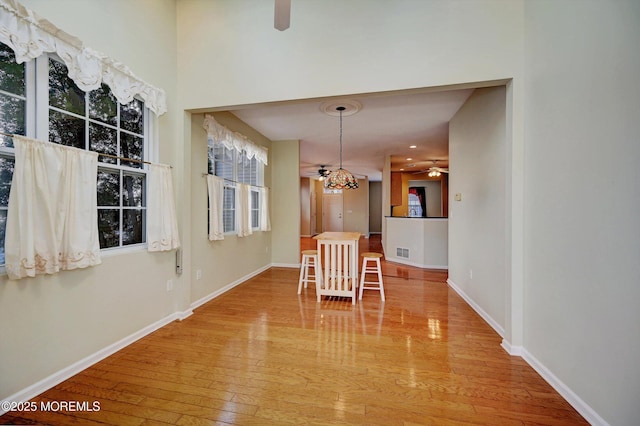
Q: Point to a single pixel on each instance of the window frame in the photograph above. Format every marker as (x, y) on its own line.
(255, 209)
(37, 127)
(231, 183)
(44, 107)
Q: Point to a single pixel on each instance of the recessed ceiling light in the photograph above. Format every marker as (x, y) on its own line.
(401, 170)
(412, 146)
(409, 159)
(411, 165)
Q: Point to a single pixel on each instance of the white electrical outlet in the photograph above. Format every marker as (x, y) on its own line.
(199, 274)
(169, 285)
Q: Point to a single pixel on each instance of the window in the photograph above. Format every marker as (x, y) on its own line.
(13, 114)
(415, 209)
(97, 122)
(255, 209)
(236, 167)
(87, 120)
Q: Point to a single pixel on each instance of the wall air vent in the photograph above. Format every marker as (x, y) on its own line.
(402, 252)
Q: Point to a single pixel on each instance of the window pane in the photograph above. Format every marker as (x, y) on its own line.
(12, 77)
(12, 118)
(132, 117)
(131, 147)
(241, 159)
(6, 174)
(212, 159)
(103, 105)
(223, 162)
(109, 228)
(3, 227)
(247, 169)
(108, 189)
(63, 92)
(228, 209)
(255, 209)
(66, 129)
(132, 191)
(104, 140)
(132, 227)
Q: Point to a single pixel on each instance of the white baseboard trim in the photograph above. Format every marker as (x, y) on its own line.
(417, 265)
(285, 265)
(184, 314)
(511, 350)
(70, 371)
(47, 383)
(485, 316)
(75, 368)
(576, 402)
(213, 295)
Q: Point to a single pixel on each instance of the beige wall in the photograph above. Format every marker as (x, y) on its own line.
(49, 323)
(285, 202)
(570, 264)
(466, 42)
(477, 232)
(319, 188)
(227, 261)
(582, 235)
(356, 208)
(306, 186)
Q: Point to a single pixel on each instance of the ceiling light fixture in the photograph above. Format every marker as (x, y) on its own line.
(434, 173)
(341, 178)
(323, 173)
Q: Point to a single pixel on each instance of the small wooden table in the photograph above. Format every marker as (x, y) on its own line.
(339, 251)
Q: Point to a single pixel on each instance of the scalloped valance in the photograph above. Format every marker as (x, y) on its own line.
(233, 140)
(30, 36)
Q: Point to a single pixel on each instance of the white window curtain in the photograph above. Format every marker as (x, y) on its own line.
(233, 140)
(162, 222)
(265, 220)
(30, 36)
(215, 187)
(52, 221)
(243, 209)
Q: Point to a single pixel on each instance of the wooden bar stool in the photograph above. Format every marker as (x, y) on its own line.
(371, 269)
(309, 259)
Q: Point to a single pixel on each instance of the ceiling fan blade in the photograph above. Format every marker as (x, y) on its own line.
(282, 14)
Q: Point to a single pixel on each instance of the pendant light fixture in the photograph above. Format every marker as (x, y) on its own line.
(341, 178)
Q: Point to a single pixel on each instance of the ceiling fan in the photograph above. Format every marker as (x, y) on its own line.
(282, 14)
(433, 171)
(322, 172)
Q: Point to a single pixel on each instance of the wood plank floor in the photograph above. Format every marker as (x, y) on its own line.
(260, 355)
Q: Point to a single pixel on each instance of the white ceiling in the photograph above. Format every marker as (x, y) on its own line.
(387, 124)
